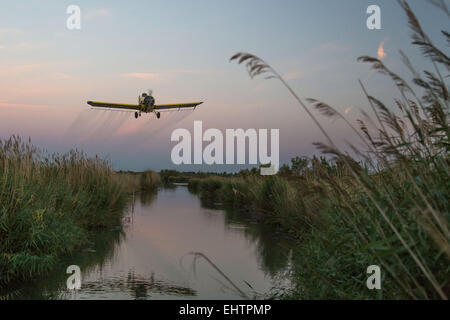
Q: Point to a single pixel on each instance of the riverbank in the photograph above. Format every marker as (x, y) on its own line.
(335, 219)
(51, 206)
(154, 256)
(383, 200)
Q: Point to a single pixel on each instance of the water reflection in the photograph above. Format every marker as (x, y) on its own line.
(274, 250)
(149, 257)
(136, 286)
(101, 250)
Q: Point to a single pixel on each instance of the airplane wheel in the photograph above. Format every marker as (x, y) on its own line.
(158, 115)
(136, 115)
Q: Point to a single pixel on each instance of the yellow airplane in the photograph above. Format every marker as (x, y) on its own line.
(146, 103)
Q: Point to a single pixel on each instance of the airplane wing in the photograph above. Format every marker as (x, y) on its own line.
(113, 105)
(176, 106)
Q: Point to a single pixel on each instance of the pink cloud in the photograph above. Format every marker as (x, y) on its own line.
(142, 75)
(23, 105)
(381, 53)
(62, 76)
(22, 68)
(293, 75)
(41, 90)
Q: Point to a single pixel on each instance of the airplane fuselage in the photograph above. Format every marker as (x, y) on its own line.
(146, 103)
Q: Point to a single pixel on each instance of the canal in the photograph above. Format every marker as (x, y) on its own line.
(172, 247)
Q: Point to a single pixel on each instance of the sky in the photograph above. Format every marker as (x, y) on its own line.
(181, 50)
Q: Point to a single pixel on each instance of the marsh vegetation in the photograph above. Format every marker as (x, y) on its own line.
(51, 205)
(383, 202)
(171, 247)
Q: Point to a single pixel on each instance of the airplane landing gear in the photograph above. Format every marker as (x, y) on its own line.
(136, 115)
(158, 115)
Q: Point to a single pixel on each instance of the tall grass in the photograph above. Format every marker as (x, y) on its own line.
(49, 205)
(388, 205)
(139, 181)
(149, 180)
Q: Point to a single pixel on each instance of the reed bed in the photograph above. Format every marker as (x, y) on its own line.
(145, 181)
(51, 204)
(386, 205)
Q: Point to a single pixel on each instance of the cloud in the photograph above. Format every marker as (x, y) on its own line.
(10, 32)
(102, 12)
(293, 75)
(192, 71)
(381, 53)
(25, 67)
(22, 105)
(304, 71)
(62, 76)
(13, 44)
(21, 90)
(37, 68)
(9, 71)
(144, 75)
(168, 75)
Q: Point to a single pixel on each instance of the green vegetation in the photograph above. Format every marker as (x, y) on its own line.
(52, 285)
(386, 205)
(51, 206)
(139, 181)
(172, 176)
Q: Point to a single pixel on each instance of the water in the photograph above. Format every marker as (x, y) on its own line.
(152, 257)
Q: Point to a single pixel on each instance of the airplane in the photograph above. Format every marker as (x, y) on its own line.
(146, 104)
